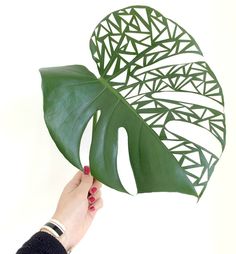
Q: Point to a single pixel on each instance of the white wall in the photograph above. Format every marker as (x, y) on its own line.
(45, 33)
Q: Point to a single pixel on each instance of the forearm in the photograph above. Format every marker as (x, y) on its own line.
(42, 243)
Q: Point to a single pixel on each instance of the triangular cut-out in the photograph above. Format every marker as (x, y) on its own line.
(140, 47)
(121, 78)
(192, 179)
(130, 47)
(114, 44)
(159, 25)
(191, 49)
(126, 18)
(134, 22)
(107, 45)
(140, 62)
(189, 87)
(150, 84)
(116, 38)
(143, 13)
(218, 124)
(147, 41)
(170, 135)
(171, 143)
(184, 110)
(106, 58)
(96, 55)
(126, 91)
(154, 121)
(128, 57)
(112, 19)
(133, 99)
(162, 119)
(163, 36)
(149, 105)
(197, 171)
(181, 149)
(205, 124)
(178, 156)
(105, 25)
(112, 68)
(165, 70)
(132, 29)
(134, 92)
(155, 32)
(199, 189)
(187, 163)
(204, 177)
(137, 36)
(144, 89)
(122, 63)
(131, 80)
(171, 27)
(147, 115)
(123, 43)
(142, 26)
(213, 160)
(123, 25)
(199, 112)
(183, 45)
(157, 130)
(208, 114)
(201, 88)
(194, 156)
(102, 32)
(207, 156)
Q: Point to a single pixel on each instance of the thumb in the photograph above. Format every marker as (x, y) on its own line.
(74, 182)
(86, 182)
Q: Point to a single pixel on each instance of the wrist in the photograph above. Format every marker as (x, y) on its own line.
(64, 241)
(62, 238)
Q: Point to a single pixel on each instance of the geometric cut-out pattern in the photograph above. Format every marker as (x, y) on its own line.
(129, 41)
(136, 37)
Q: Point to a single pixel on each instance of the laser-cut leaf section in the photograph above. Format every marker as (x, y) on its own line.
(160, 97)
(132, 39)
(135, 37)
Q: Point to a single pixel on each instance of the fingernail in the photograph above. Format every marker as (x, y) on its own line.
(93, 190)
(86, 170)
(91, 199)
(92, 208)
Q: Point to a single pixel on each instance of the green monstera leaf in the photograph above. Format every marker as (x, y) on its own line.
(173, 113)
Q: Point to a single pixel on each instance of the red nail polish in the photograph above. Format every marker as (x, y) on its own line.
(92, 208)
(86, 170)
(91, 199)
(93, 190)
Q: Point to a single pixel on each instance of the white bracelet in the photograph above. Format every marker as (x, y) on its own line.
(59, 224)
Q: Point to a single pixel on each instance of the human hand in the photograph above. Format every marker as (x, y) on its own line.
(77, 206)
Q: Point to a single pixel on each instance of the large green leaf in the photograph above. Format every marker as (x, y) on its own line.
(165, 109)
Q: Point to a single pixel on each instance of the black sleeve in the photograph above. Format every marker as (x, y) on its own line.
(42, 243)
